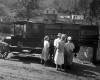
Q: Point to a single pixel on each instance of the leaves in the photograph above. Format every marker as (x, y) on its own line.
(27, 8)
(30, 8)
(72, 5)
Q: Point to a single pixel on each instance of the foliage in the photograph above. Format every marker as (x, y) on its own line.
(5, 28)
(2, 12)
(30, 8)
(72, 5)
(27, 8)
(64, 5)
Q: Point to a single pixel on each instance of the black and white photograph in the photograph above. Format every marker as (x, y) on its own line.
(49, 39)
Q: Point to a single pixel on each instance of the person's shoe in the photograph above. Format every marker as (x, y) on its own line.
(57, 69)
(42, 62)
(45, 64)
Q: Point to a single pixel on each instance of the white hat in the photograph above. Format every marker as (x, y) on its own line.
(59, 34)
(63, 36)
(69, 38)
(46, 37)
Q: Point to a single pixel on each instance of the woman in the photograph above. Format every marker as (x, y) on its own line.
(59, 56)
(68, 54)
(45, 51)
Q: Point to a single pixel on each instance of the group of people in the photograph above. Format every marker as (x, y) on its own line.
(63, 51)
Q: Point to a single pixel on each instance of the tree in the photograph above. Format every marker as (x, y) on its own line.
(27, 8)
(83, 5)
(2, 12)
(72, 5)
(65, 5)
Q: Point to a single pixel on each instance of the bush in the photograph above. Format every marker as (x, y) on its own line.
(5, 28)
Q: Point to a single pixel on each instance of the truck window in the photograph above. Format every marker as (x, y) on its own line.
(19, 30)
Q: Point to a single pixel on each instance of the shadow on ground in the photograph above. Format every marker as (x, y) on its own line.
(26, 60)
(33, 59)
(85, 70)
(77, 69)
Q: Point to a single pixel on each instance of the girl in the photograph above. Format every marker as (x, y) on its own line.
(45, 51)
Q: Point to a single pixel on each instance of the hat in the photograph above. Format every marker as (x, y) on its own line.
(46, 37)
(59, 34)
(69, 38)
(63, 36)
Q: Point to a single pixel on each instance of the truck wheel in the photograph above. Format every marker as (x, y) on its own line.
(5, 55)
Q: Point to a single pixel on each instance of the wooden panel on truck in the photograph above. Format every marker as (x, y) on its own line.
(89, 35)
(52, 29)
(72, 30)
(34, 34)
(68, 29)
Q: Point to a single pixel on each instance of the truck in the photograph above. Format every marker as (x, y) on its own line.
(28, 36)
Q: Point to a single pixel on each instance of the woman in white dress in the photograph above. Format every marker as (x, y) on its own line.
(45, 51)
(59, 56)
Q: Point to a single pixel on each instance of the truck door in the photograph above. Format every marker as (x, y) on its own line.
(35, 34)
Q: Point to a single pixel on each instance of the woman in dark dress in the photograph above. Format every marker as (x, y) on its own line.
(68, 53)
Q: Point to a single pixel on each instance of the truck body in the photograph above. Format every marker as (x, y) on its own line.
(29, 35)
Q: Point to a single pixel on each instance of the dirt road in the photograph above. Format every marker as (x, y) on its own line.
(31, 69)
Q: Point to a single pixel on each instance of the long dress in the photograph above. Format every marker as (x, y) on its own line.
(56, 41)
(59, 56)
(68, 53)
(45, 51)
